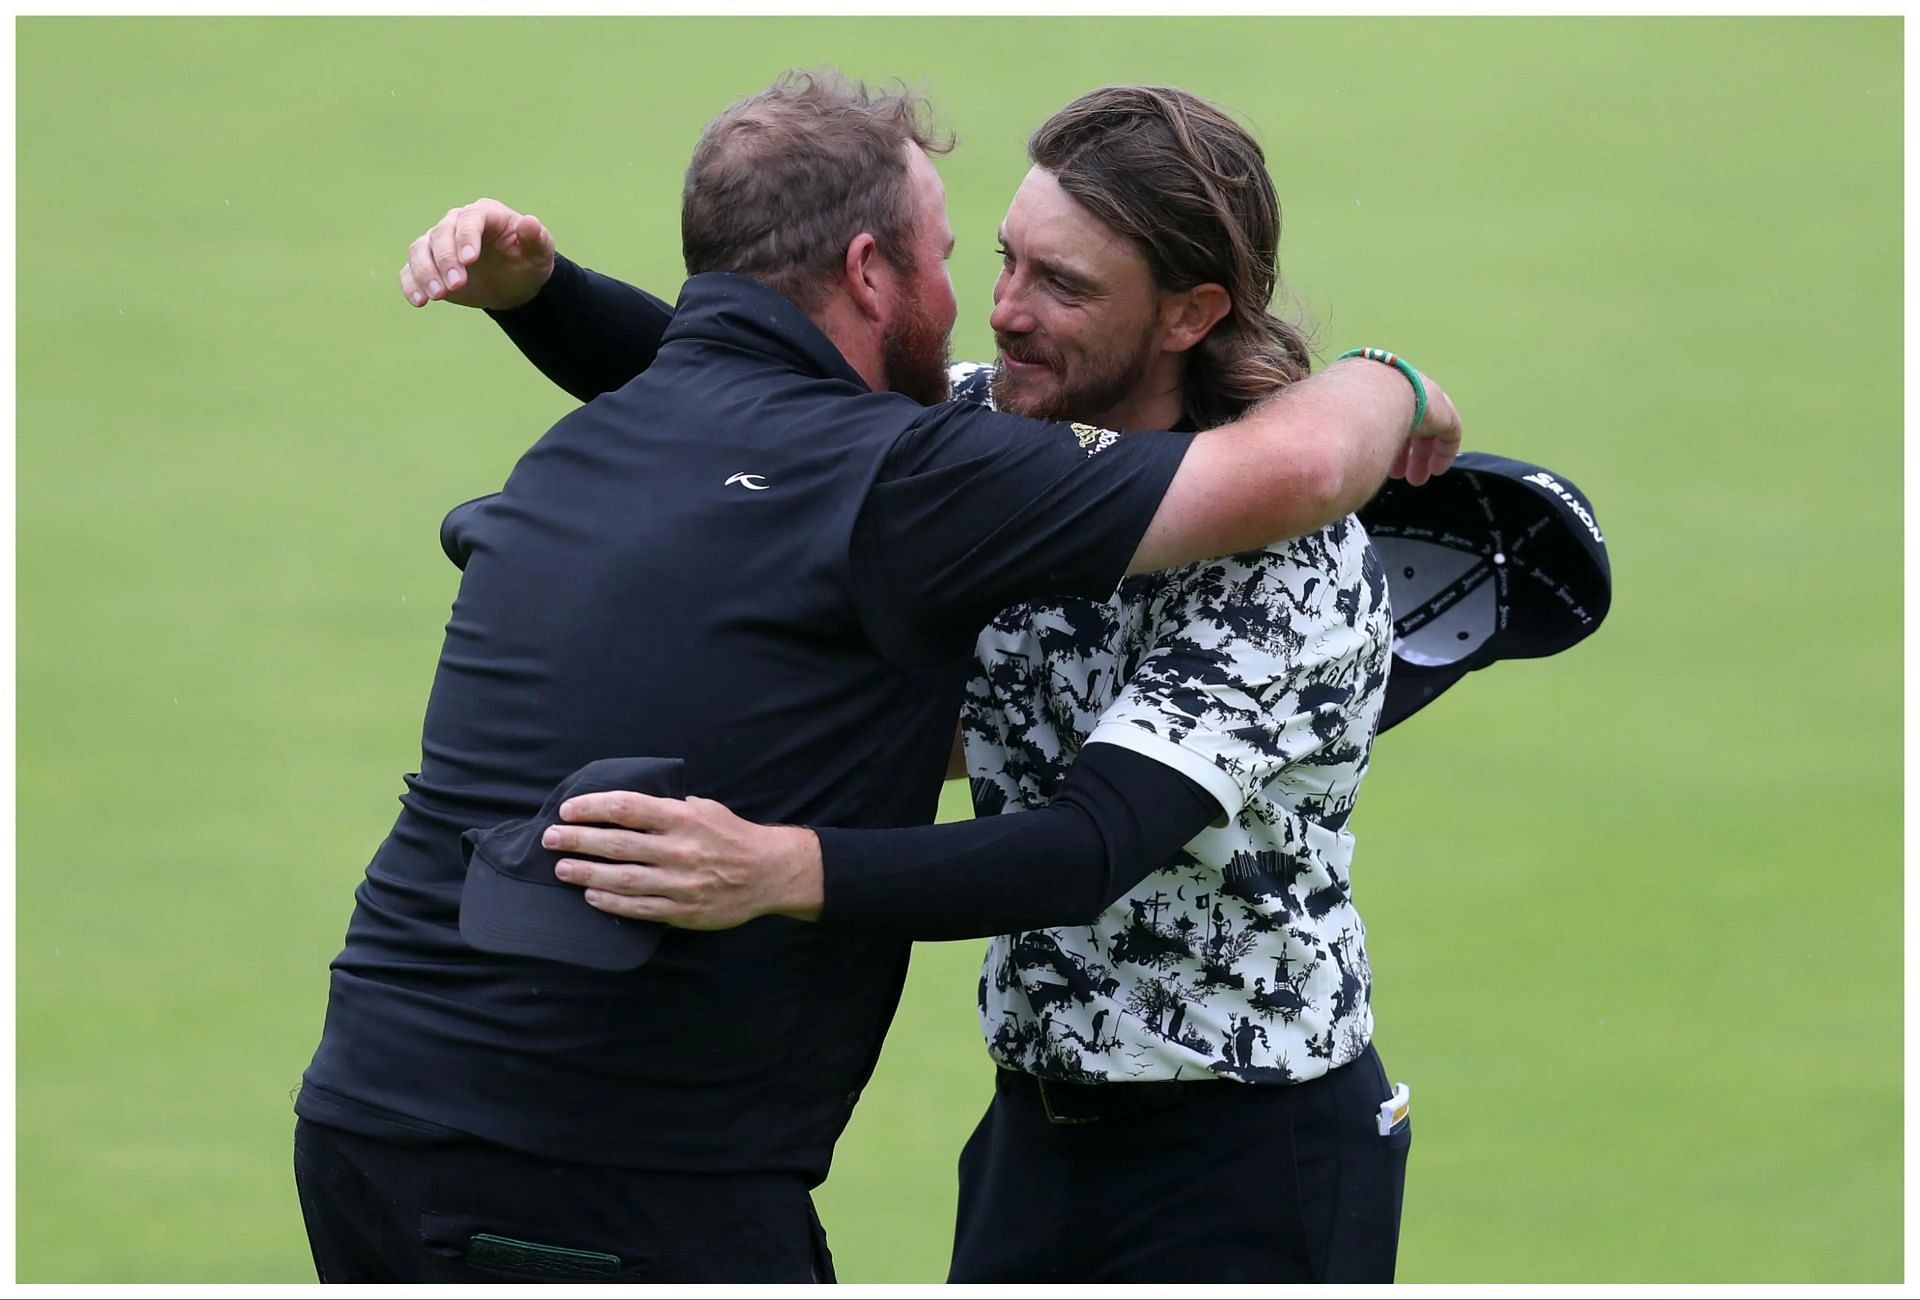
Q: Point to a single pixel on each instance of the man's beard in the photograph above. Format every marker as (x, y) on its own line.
(1107, 379)
(913, 355)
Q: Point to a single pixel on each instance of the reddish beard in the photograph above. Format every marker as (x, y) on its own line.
(914, 356)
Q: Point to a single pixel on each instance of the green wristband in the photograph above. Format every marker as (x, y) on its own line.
(1401, 364)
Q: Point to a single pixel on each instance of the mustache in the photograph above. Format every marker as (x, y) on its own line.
(1023, 350)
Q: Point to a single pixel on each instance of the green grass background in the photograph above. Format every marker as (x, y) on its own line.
(1635, 914)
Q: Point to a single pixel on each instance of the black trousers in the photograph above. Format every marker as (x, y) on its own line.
(1215, 1182)
(472, 1212)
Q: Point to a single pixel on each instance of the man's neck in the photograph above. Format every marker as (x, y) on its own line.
(857, 339)
(1157, 402)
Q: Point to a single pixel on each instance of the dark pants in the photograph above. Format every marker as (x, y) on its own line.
(471, 1212)
(1215, 1182)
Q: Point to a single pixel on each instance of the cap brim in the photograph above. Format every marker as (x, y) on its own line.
(522, 919)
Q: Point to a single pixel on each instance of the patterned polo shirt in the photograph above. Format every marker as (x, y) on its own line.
(1260, 677)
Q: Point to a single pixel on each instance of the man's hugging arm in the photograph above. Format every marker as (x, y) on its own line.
(587, 332)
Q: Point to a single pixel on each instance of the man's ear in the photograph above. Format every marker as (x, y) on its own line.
(867, 277)
(1187, 316)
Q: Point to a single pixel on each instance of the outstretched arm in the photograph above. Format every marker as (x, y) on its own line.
(587, 332)
(694, 864)
(1313, 454)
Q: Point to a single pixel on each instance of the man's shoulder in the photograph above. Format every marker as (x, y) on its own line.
(962, 427)
(1325, 575)
(1337, 551)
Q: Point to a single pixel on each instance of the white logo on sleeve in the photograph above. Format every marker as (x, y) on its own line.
(1092, 440)
(751, 482)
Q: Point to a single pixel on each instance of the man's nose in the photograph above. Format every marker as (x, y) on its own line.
(1009, 316)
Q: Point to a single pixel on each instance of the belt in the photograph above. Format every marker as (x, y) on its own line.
(1088, 1103)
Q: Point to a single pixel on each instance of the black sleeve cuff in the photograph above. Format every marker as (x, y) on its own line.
(588, 333)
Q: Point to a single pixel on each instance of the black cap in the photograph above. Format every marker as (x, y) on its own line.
(513, 903)
(1495, 559)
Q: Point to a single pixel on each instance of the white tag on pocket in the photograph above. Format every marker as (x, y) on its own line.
(1395, 1109)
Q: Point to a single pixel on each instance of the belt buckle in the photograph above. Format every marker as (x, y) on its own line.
(1054, 1117)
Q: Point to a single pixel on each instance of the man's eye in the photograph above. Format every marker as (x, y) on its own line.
(1005, 256)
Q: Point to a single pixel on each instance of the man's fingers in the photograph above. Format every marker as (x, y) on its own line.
(420, 266)
(655, 907)
(642, 893)
(536, 241)
(446, 265)
(643, 908)
(628, 879)
(409, 287)
(1447, 445)
(1418, 454)
(1435, 442)
(420, 262)
(628, 808)
(600, 842)
(481, 254)
(480, 224)
(1420, 464)
(1431, 456)
(1425, 461)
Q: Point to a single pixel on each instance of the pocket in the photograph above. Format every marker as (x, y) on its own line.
(491, 1248)
(1400, 1136)
(1371, 1183)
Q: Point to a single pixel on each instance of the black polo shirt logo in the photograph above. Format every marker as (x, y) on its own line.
(1092, 440)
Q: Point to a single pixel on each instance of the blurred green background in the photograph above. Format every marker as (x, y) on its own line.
(1635, 913)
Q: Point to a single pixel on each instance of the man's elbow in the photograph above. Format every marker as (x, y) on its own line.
(1333, 487)
(1318, 487)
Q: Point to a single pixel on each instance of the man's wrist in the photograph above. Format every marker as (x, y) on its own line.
(559, 269)
(1405, 367)
(802, 879)
(1383, 381)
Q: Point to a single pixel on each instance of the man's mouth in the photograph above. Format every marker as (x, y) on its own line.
(1022, 365)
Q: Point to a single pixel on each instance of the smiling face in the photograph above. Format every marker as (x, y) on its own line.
(1076, 316)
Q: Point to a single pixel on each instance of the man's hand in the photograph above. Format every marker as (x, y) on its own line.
(689, 863)
(482, 255)
(1430, 448)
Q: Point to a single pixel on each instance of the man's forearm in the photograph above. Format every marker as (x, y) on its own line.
(1118, 817)
(588, 333)
(1373, 406)
(694, 864)
(1313, 454)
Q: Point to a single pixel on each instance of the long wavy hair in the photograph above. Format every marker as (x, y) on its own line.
(1189, 186)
